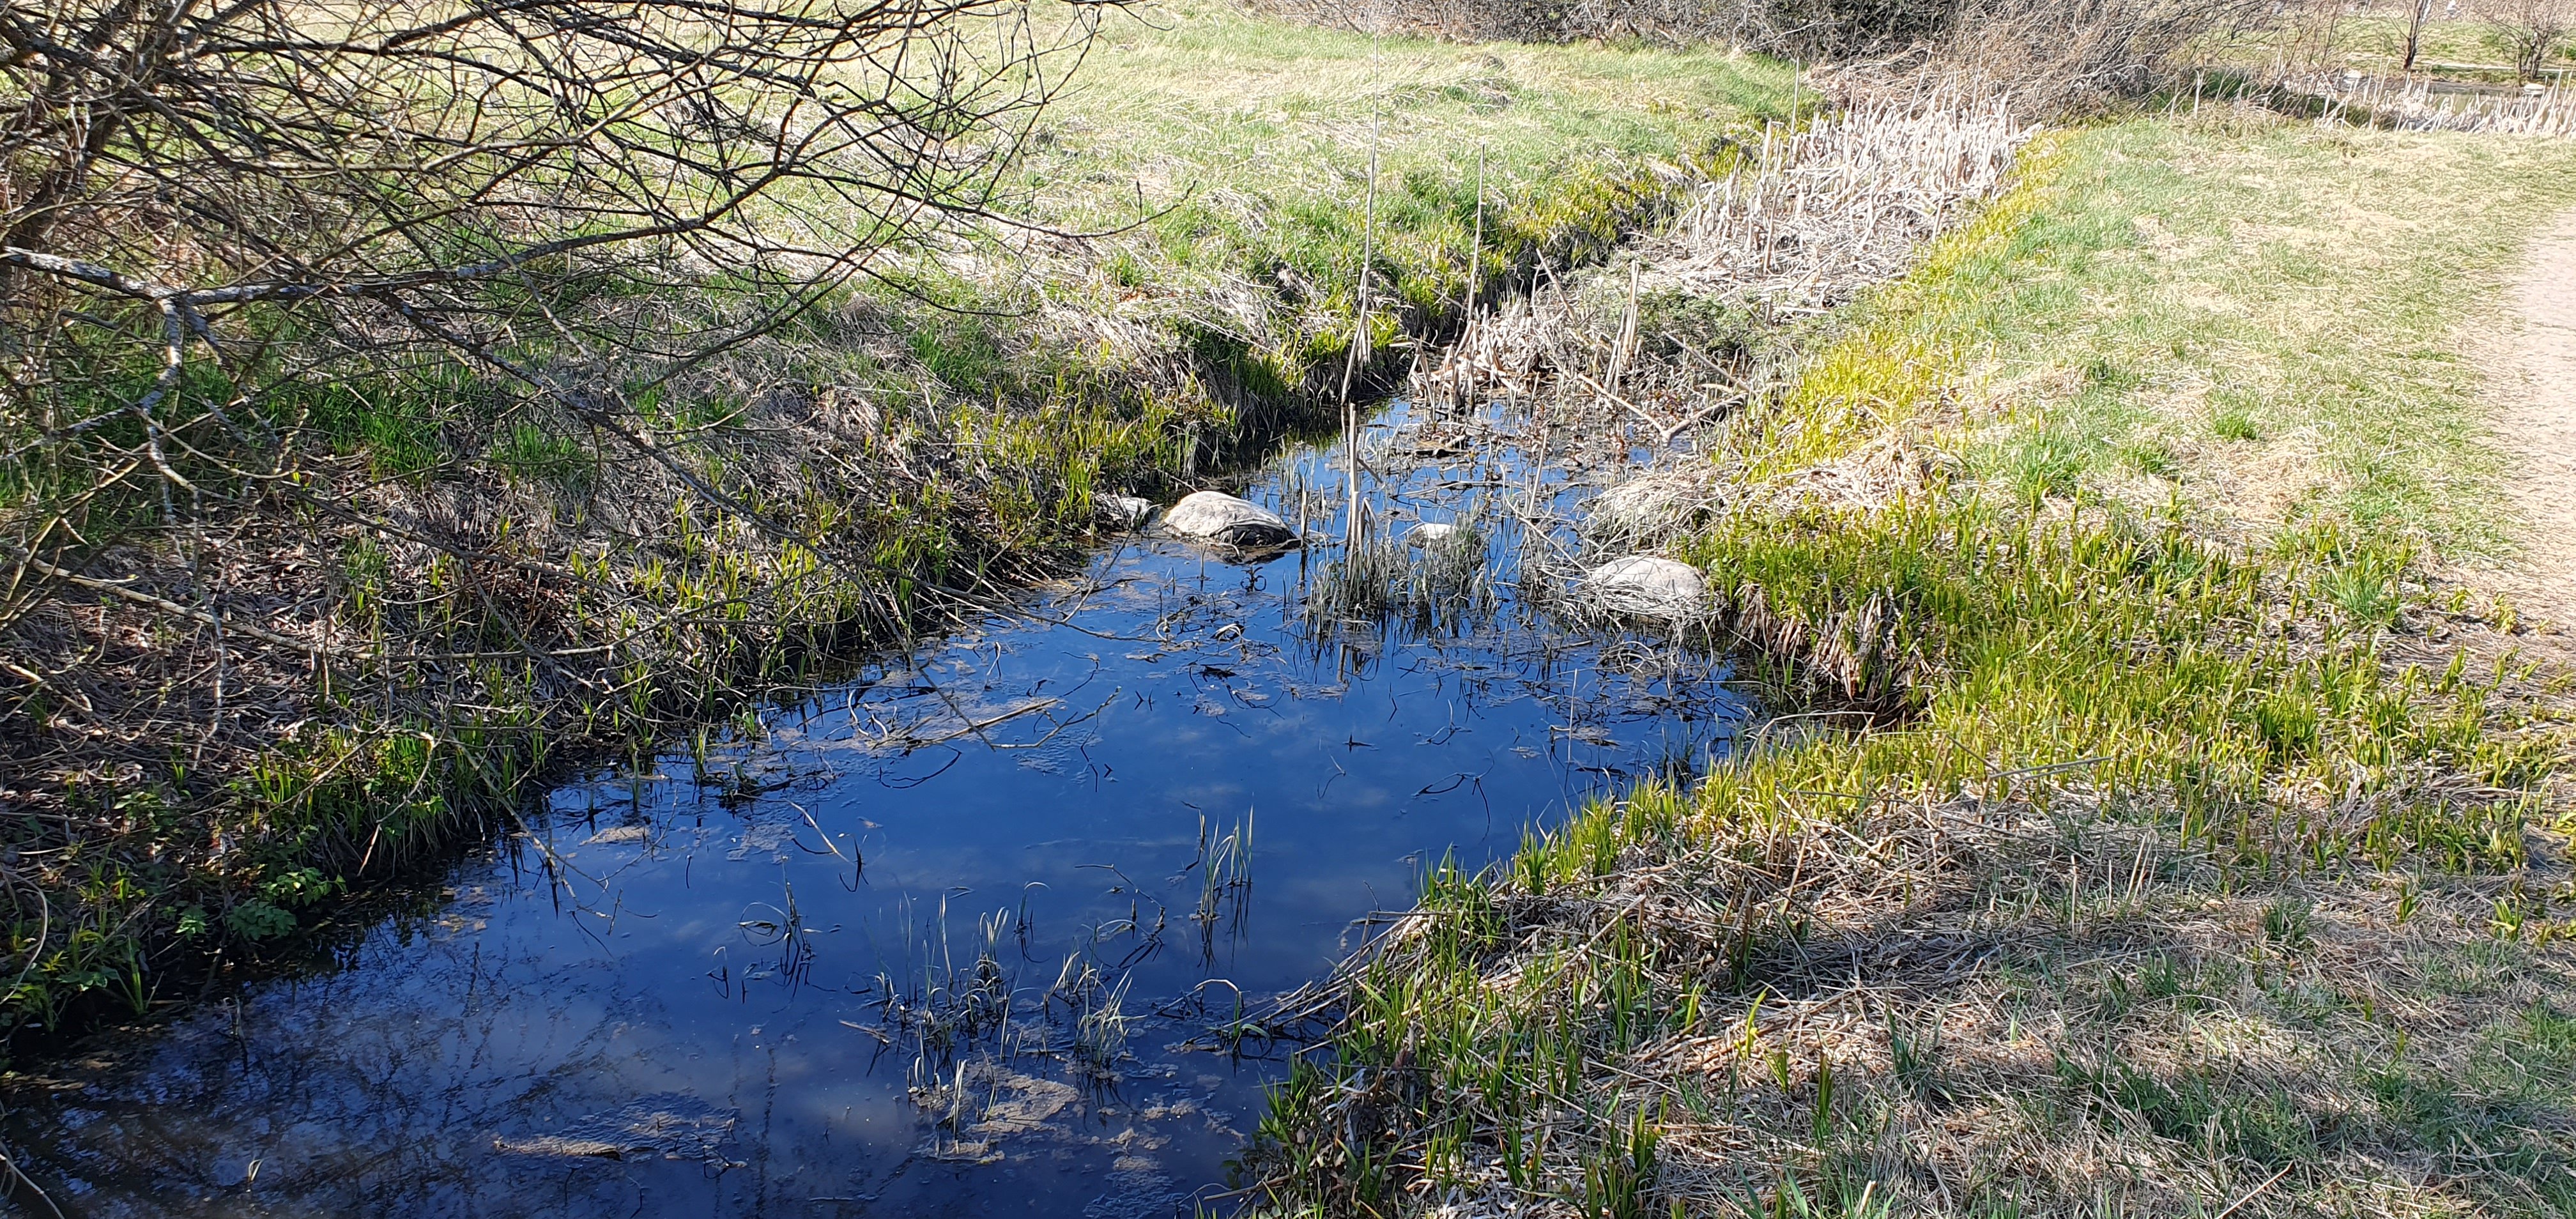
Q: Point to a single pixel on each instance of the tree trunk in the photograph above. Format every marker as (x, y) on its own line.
(2415, 19)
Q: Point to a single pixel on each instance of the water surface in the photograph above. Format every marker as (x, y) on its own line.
(932, 943)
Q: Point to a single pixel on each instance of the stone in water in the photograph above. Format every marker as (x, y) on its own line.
(1219, 517)
(1446, 541)
(1123, 511)
(1649, 587)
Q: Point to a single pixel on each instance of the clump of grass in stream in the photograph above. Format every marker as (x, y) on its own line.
(1438, 586)
(2174, 869)
(845, 481)
(1224, 865)
(1100, 1032)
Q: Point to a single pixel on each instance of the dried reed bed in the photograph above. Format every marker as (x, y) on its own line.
(1841, 204)
(1622, 363)
(1804, 220)
(2413, 104)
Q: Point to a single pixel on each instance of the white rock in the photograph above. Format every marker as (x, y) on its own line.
(1445, 541)
(1123, 511)
(1649, 587)
(1219, 517)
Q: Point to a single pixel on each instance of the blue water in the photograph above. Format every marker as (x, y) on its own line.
(756, 971)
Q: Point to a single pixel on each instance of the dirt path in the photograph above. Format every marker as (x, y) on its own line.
(2537, 425)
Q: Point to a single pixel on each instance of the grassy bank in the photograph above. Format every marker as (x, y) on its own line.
(2203, 851)
(1250, 142)
(332, 654)
(2373, 39)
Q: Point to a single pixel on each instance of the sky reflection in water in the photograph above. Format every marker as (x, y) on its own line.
(701, 986)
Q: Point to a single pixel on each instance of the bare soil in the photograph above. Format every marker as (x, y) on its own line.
(2536, 424)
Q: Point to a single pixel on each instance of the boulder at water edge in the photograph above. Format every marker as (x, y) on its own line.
(1649, 587)
(1219, 517)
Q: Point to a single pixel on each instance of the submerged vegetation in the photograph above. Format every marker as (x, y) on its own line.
(2171, 835)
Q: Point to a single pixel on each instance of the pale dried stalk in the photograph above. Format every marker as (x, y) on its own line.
(2411, 104)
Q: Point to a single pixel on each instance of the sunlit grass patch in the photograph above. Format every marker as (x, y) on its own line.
(2285, 292)
(1227, 159)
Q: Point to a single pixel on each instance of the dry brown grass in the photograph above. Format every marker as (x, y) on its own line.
(1846, 202)
(2058, 1003)
(2410, 103)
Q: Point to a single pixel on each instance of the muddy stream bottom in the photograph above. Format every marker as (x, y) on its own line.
(954, 939)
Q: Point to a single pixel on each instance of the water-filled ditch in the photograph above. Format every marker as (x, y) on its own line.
(934, 942)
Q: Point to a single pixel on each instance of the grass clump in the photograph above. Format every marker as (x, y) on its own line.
(2233, 421)
(2172, 841)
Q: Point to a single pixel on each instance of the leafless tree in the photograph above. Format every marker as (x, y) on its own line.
(2045, 52)
(206, 202)
(1741, 22)
(386, 173)
(2056, 54)
(240, 238)
(2048, 58)
(2530, 31)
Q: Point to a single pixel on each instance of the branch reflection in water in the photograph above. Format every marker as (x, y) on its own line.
(943, 939)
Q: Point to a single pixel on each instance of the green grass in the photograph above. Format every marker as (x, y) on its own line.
(2152, 779)
(2281, 310)
(1251, 142)
(1223, 163)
